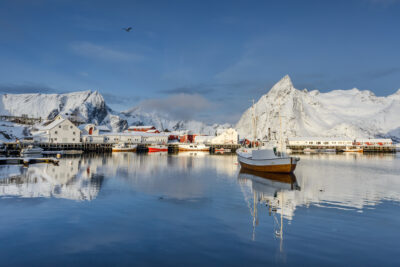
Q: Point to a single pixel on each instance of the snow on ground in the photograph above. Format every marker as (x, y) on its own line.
(10, 131)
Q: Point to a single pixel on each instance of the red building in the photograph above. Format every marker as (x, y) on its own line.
(149, 128)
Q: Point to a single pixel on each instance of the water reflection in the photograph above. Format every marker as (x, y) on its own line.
(269, 189)
(69, 180)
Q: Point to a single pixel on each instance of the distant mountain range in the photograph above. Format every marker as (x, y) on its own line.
(90, 107)
(338, 113)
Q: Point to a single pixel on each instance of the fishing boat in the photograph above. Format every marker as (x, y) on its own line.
(353, 149)
(193, 147)
(266, 158)
(122, 147)
(31, 150)
(158, 148)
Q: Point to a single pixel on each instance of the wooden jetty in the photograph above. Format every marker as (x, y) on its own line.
(14, 148)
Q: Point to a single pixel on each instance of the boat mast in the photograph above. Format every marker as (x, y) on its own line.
(254, 124)
(280, 125)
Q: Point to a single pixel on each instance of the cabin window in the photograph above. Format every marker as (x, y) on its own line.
(59, 126)
(70, 127)
(73, 133)
(311, 143)
(73, 139)
(318, 143)
(56, 132)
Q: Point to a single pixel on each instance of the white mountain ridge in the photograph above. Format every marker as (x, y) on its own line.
(338, 113)
(88, 107)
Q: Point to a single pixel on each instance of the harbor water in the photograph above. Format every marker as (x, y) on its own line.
(199, 209)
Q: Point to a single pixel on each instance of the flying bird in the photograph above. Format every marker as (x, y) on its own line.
(127, 29)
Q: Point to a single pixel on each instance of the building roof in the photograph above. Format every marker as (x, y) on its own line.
(52, 125)
(141, 127)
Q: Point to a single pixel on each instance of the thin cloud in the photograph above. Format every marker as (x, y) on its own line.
(28, 88)
(101, 52)
(120, 100)
(196, 89)
(179, 106)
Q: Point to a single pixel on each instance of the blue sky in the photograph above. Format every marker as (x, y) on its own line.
(216, 55)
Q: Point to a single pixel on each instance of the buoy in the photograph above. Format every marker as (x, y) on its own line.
(58, 155)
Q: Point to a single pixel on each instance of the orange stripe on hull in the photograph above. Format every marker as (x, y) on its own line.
(286, 168)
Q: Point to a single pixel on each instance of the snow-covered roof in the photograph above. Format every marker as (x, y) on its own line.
(141, 127)
(52, 125)
(134, 134)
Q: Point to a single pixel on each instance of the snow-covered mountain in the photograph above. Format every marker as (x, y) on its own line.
(89, 106)
(139, 116)
(338, 113)
(86, 106)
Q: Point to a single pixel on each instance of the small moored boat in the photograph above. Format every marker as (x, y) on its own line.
(31, 150)
(158, 148)
(353, 149)
(222, 150)
(122, 147)
(193, 147)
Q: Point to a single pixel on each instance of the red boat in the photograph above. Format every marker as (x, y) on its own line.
(158, 148)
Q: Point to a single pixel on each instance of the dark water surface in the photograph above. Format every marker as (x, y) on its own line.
(198, 209)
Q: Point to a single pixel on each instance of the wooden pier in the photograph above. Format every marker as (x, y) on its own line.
(14, 148)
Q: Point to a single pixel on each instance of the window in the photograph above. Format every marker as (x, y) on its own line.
(59, 126)
(70, 127)
(73, 133)
(73, 139)
(56, 132)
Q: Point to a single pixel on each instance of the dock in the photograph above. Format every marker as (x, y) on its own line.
(14, 148)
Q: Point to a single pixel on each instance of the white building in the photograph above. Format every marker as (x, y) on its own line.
(60, 130)
(229, 136)
(319, 141)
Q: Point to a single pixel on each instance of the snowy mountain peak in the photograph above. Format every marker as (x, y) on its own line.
(285, 85)
(338, 113)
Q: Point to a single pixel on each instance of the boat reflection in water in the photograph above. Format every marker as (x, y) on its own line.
(70, 180)
(268, 189)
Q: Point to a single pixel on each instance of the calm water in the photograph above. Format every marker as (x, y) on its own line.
(198, 209)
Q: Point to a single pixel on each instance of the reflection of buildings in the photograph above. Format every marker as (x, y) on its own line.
(69, 180)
